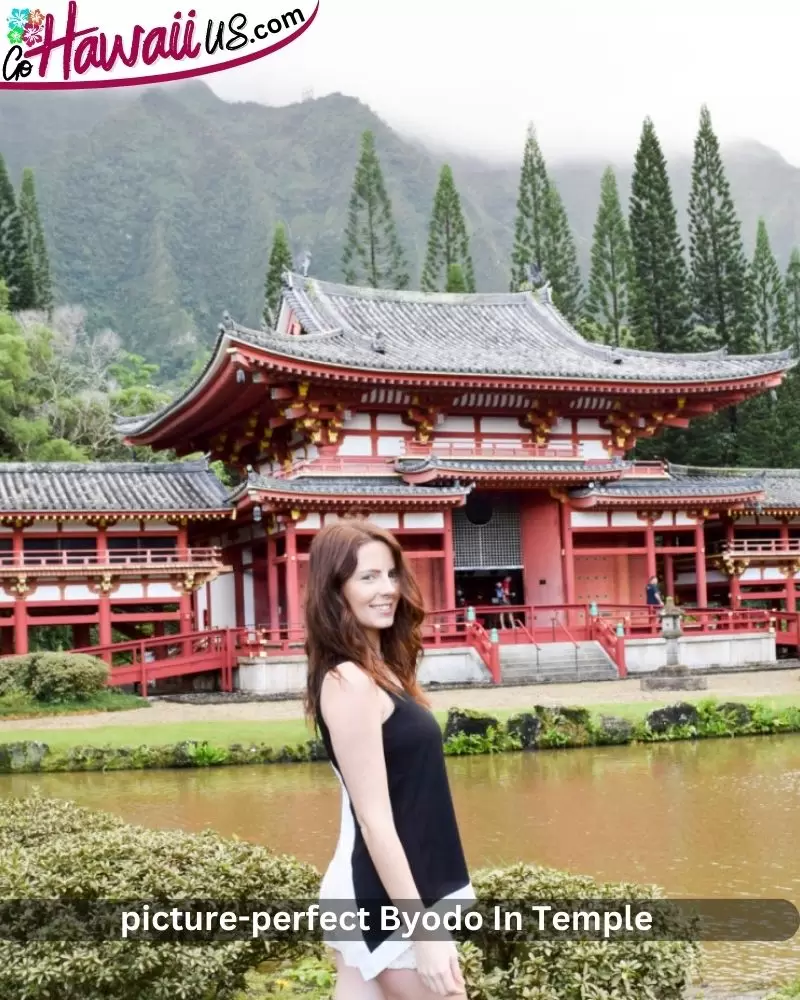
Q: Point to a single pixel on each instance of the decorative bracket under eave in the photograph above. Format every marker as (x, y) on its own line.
(730, 565)
(423, 419)
(789, 568)
(18, 587)
(541, 420)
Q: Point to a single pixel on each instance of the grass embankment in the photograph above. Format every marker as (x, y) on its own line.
(278, 733)
(22, 706)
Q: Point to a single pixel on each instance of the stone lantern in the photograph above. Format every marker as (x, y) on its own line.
(674, 675)
(671, 616)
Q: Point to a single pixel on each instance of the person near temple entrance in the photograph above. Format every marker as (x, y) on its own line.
(653, 593)
(502, 596)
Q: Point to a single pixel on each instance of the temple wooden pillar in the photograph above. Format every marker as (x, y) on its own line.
(790, 598)
(20, 625)
(448, 563)
(185, 602)
(733, 589)
(669, 576)
(20, 606)
(567, 556)
(103, 592)
(650, 541)
(272, 582)
(292, 584)
(700, 564)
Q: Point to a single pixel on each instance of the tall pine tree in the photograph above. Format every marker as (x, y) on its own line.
(372, 253)
(760, 436)
(659, 308)
(792, 286)
(542, 235)
(280, 260)
(448, 242)
(35, 241)
(721, 302)
(770, 314)
(531, 206)
(15, 262)
(610, 276)
(561, 257)
(455, 280)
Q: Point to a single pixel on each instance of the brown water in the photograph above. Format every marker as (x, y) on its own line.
(713, 819)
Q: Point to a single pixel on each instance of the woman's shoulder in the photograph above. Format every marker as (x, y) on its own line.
(347, 679)
(347, 688)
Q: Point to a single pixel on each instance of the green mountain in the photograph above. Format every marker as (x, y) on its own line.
(159, 204)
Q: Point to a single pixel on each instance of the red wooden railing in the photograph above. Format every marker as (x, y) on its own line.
(91, 558)
(346, 464)
(761, 546)
(143, 660)
(605, 633)
(639, 469)
(493, 449)
(146, 660)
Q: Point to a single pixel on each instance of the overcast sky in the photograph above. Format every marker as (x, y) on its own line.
(473, 74)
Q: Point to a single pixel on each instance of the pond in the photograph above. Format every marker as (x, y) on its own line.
(712, 819)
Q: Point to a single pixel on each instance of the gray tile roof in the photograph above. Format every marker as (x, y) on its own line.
(98, 487)
(652, 488)
(464, 466)
(781, 486)
(347, 486)
(518, 334)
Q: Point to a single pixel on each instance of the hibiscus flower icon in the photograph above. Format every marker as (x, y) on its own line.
(35, 18)
(15, 36)
(18, 19)
(32, 34)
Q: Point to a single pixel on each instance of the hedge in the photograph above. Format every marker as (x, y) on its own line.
(466, 732)
(53, 677)
(55, 849)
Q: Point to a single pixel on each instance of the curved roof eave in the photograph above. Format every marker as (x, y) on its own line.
(151, 422)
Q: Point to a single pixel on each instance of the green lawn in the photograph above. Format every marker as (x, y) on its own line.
(20, 706)
(290, 731)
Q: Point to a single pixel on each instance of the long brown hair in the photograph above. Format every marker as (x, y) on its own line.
(334, 635)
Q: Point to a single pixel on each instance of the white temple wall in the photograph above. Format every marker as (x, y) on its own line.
(223, 602)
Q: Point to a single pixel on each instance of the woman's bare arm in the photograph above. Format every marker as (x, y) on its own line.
(351, 707)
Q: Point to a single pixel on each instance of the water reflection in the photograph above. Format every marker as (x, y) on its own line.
(715, 819)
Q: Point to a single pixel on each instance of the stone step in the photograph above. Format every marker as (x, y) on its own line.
(599, 670)
(524, 668)
(554, 662)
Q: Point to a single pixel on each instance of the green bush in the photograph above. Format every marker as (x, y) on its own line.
(497, 968)
(14, 674)
(53, 677)
(56, 850)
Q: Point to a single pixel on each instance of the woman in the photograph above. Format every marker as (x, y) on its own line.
(398, 840)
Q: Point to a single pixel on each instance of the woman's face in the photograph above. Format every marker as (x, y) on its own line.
(373, 591)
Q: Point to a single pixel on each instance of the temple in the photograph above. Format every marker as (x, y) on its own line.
(481, 428)
(492, 438)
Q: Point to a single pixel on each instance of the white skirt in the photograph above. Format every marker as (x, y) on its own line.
(396, 952)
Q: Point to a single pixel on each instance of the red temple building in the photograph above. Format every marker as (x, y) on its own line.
(492, 438)
(482, 429)
(97, 551)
